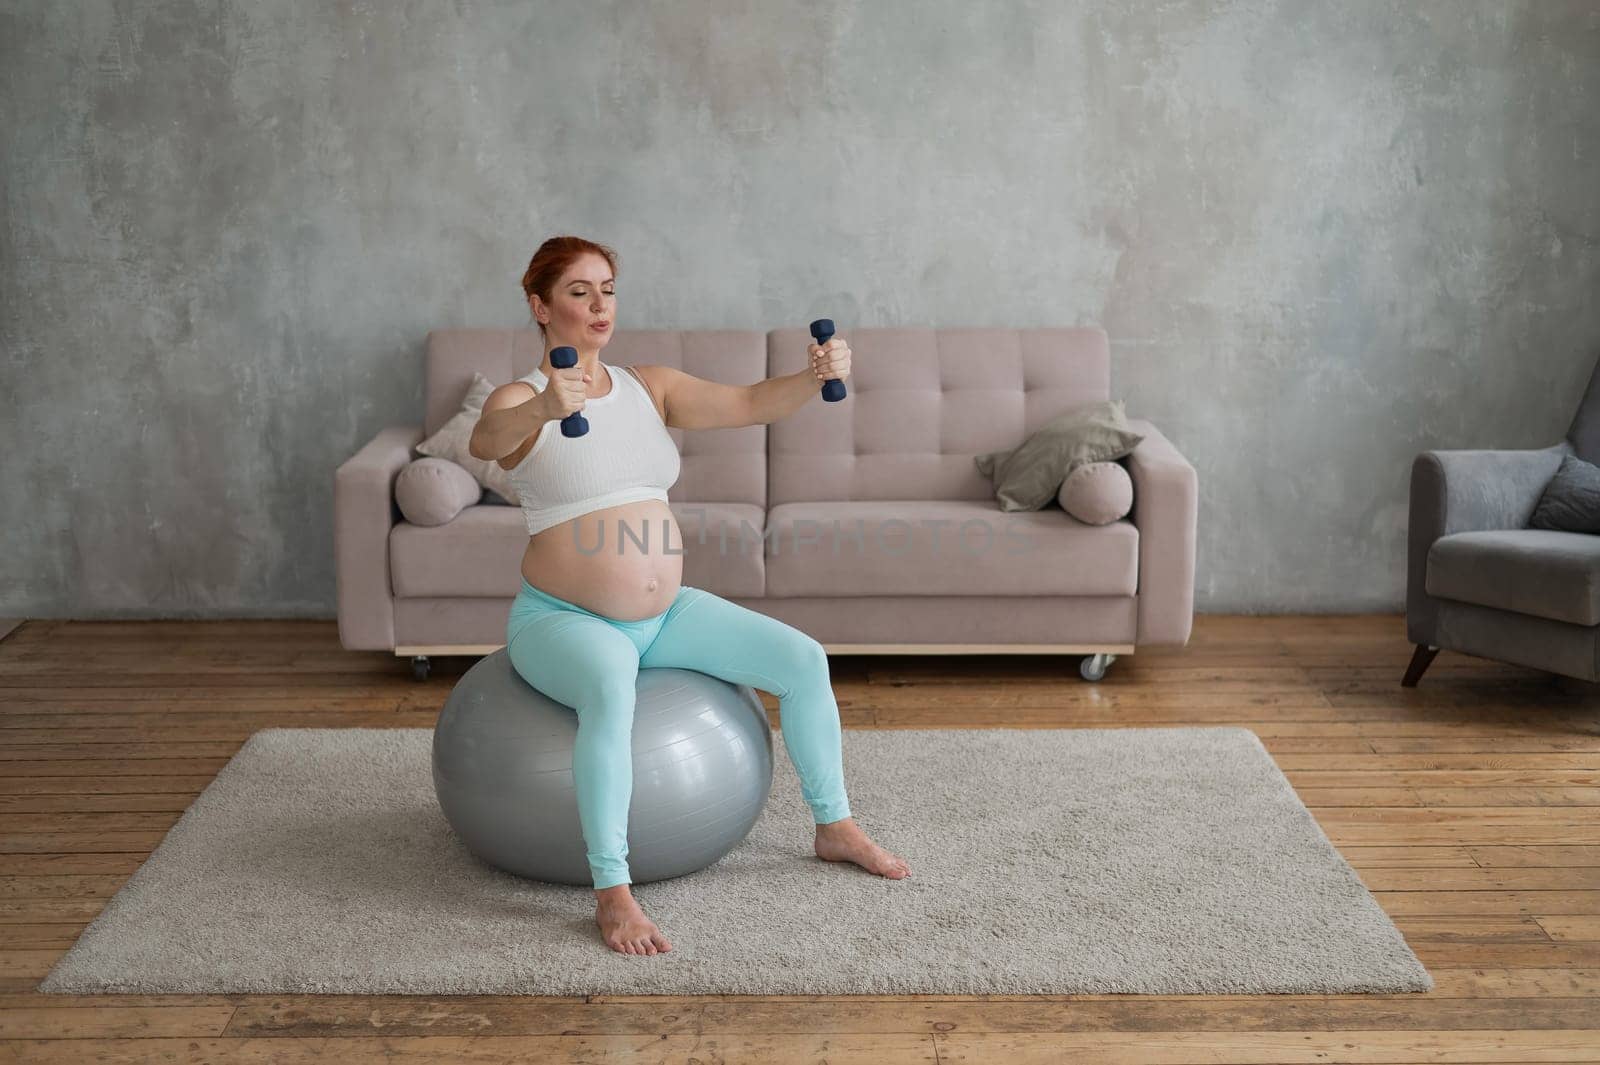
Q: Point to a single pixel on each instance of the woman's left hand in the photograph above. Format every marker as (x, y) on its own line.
(831, 361)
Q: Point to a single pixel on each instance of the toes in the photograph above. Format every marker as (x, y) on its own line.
(648, 943)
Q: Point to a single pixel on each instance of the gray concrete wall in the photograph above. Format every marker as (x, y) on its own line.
(1322, 237)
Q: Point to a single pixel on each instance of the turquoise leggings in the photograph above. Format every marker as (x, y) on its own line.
(591, 663)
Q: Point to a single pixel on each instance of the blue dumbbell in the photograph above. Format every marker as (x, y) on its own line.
(822, 332)
(574, 424)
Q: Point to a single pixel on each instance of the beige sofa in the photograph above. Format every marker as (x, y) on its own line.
(864, 523)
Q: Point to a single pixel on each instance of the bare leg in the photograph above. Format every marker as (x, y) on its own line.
(708, 633)
(593, 667)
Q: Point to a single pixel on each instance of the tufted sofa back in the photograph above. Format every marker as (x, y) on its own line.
(922, 403)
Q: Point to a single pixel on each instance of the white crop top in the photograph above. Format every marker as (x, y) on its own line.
(626, 455)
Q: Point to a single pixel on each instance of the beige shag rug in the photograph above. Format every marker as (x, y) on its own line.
(1141, 860)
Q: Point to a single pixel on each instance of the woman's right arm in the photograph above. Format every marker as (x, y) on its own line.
(511, 415)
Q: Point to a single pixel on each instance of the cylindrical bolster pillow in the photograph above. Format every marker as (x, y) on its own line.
(431, 491)
(1097, 492)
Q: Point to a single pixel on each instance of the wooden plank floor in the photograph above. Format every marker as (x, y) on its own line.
(1467, 805)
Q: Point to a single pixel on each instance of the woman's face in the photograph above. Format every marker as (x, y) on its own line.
(585, 295)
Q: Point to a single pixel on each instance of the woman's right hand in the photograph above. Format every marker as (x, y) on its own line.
(565, 393)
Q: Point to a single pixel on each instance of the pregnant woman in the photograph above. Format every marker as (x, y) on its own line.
(602, 594)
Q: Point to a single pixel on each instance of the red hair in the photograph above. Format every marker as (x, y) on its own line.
(552, 260)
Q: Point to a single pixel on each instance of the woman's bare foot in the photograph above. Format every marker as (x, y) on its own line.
(623, 924)
(843, 841)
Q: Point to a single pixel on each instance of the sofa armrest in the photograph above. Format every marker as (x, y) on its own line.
(1166, 503)
(1467, 491)
(364, 511)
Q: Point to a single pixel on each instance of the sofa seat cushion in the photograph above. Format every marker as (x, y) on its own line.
(479, 552)
(944, 547)
(1542, 572)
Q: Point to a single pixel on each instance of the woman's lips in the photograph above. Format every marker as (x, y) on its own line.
(600, 326)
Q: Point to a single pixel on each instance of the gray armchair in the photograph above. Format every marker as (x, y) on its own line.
(1480, 581)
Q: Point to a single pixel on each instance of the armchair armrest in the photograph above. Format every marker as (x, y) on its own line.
(1166, 501)
(364, 511)
(1467, 491)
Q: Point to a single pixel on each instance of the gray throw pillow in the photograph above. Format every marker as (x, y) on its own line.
(1028, 477)
(454, 438)
(1571, 501)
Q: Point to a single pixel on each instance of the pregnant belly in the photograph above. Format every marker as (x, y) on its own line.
(623, 562)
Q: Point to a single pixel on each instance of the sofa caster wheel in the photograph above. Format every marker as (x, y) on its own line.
(1093, 667)
(419, 667)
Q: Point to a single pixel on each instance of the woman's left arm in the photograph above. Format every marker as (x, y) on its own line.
(779, 397)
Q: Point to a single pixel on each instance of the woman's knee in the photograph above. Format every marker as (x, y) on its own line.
(801, 659)
(607, 696)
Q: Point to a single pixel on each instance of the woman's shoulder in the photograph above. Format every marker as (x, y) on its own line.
(510, 394)
(654, 380)
(648, 373)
